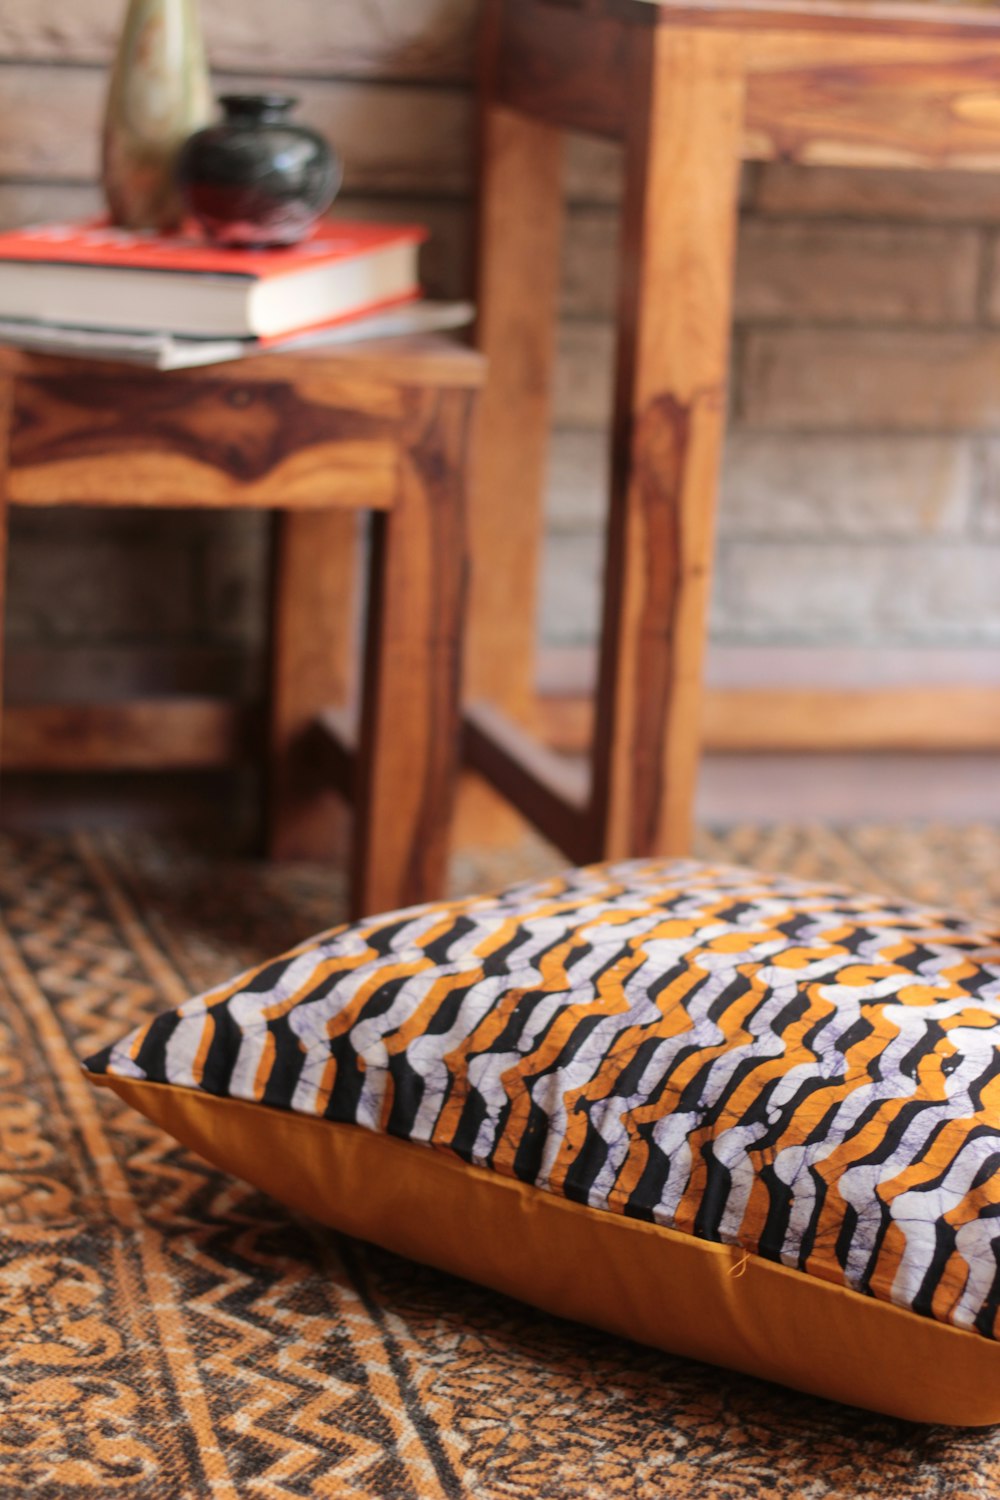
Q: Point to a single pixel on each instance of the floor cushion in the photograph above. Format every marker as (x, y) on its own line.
(733, 1115)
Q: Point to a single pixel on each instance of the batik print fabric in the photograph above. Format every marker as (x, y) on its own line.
(810, 1075)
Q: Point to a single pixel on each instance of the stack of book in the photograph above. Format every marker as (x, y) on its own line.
(95, 290)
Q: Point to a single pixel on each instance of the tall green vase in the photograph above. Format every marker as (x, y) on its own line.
(159, 93)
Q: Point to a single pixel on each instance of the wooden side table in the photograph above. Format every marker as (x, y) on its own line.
(692, 88)
(316, 436)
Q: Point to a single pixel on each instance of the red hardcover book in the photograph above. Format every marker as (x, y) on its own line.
(96, 276)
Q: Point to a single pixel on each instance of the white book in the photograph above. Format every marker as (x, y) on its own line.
(165, 351)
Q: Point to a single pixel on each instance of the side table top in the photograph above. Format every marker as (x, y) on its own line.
(950, 17)
(424, 359)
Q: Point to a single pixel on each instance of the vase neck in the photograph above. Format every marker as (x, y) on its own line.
(256, 107)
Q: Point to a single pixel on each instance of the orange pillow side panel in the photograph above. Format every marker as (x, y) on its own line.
(687, 1296)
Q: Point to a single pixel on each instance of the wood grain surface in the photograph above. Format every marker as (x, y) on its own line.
(521, 215)
(552, 792)
(900, 17)
(315, 561)
(674, 325)
(562, 64)
(156, 734)
(315, 437)
(128, 439)
(954, 718)
(873, 101)
(5, 426)
(865, 93)
(835, 83)
(408, 745)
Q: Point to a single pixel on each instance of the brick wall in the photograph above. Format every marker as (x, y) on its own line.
(862, 488)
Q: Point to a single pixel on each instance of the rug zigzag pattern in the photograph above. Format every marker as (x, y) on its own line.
(167, 1332)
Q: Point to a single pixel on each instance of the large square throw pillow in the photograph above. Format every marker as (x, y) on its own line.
(732, 1115)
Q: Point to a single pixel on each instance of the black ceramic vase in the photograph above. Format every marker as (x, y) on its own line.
(257, 178)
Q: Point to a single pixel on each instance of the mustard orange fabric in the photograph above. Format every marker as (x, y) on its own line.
(706, 1301)
(736, 1064)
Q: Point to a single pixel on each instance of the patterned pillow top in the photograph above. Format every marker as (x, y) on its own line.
(810, 1075)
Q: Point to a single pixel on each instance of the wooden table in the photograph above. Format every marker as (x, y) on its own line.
(316, 437)
(692, 88)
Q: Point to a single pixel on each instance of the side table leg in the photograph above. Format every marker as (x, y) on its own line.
(314, 564)
(520, 238)
(682, 177)
(6, 410)
(409, 744)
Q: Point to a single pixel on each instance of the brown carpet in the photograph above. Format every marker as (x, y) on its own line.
(167, 1332)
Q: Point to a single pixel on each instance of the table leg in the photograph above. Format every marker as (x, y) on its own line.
(520, 235)
(409, 743)
(6, 408)
(682, 166)
(314, 565)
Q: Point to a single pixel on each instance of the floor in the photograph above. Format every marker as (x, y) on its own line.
(167, 1331)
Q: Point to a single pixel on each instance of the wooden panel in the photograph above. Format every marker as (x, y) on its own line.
(753, 720)
(366, 376)
(201, 734)
(882, 96)
(314, 570)
(426, 39)
(395, 139)
(809, 272)
(409, 139)
(155, 735)
(563, 65)
(409, 738)
(910, 718)
(674, 323)
(939, 198)
(127, 440)
(363, 479)
(898, 17)
(519, 234)
(873, 101)
(800, 698)
(549, 790)
(70, 672)
(6, 404)
(565, 721)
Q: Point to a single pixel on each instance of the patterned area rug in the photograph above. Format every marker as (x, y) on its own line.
(167, 1332)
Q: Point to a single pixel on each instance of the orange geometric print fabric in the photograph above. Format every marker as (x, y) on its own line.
(810, 1075)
